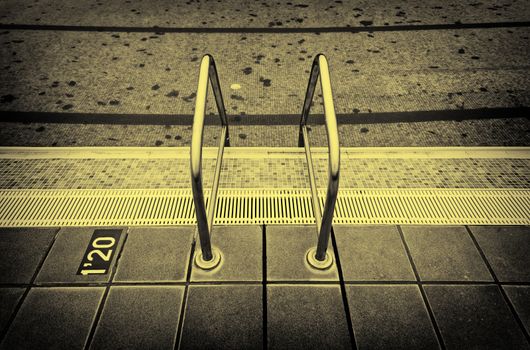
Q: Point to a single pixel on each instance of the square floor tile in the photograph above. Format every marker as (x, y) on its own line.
(390, 316)
(21, 251)
(155, 254)
(223, 317)
(371, 253)
(139, 317)
(507, 250)
(306, 317)
(66, 255)
(241, 252)
(520, 298)
(287, 248)
(445, 253)
(58, 318)
(474, 317)
(9, 298)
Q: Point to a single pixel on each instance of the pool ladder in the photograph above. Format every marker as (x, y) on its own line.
(209, 256)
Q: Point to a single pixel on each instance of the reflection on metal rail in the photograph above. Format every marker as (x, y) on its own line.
(319, 258)
(209, 256)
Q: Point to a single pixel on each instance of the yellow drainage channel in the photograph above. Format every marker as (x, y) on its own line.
(158, 207)
(243, 206)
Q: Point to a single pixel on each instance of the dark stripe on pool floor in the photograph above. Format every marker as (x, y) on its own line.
(273, 30)
(262, 119)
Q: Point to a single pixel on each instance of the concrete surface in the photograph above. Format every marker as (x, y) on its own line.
(144, 305)
(223, 316)
(294, 310)
(306, 317)
(241, 251)
(445, 253)
(9, 298)
(386, 316)
(520, 298)
(372, 253)
(466, 322)
(287, 247)
(149, 258)
(507, 250)
(21, 252)
(58, 318)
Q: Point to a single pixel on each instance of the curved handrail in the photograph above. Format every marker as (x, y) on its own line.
(208, 72)
(323, 221)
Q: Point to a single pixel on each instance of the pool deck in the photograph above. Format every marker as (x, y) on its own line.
(400, 286)
(403, 286)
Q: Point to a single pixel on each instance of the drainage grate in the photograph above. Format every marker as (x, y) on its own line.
(434, 207)
(41, 208)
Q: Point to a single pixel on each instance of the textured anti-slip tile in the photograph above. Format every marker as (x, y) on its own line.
(66, 255)
(54, 318)
(139, 317)
(520, 298)
(390, 316)
(507, 250)
(445, 253)
(155, 254)
(306, 317)
(21, 250)
(369, 253)
(9, 298)
(241, 255)
(287, 248)
(223, 317)
(474, 317)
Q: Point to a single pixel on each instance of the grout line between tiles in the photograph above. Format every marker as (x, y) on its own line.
(343, 292)
(501, 290)
(264, 297)
(285, 282)
(103, 300)
(178, 336)
(422, 291)
(26, 292)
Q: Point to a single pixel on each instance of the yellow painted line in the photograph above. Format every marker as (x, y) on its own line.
(262, 152)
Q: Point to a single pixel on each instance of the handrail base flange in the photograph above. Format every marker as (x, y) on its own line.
(317, 264)
(208, 264)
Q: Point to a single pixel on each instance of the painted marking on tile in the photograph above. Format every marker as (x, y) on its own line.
(99, 253)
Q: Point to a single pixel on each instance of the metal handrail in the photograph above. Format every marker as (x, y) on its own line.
(209, 257)
(323, 221)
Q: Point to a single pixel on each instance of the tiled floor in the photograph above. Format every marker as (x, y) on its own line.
(483, 132)
(270, 167)
(410, 287)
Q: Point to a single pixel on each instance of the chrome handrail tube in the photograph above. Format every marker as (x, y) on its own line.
(208, 72)
(325, 220)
